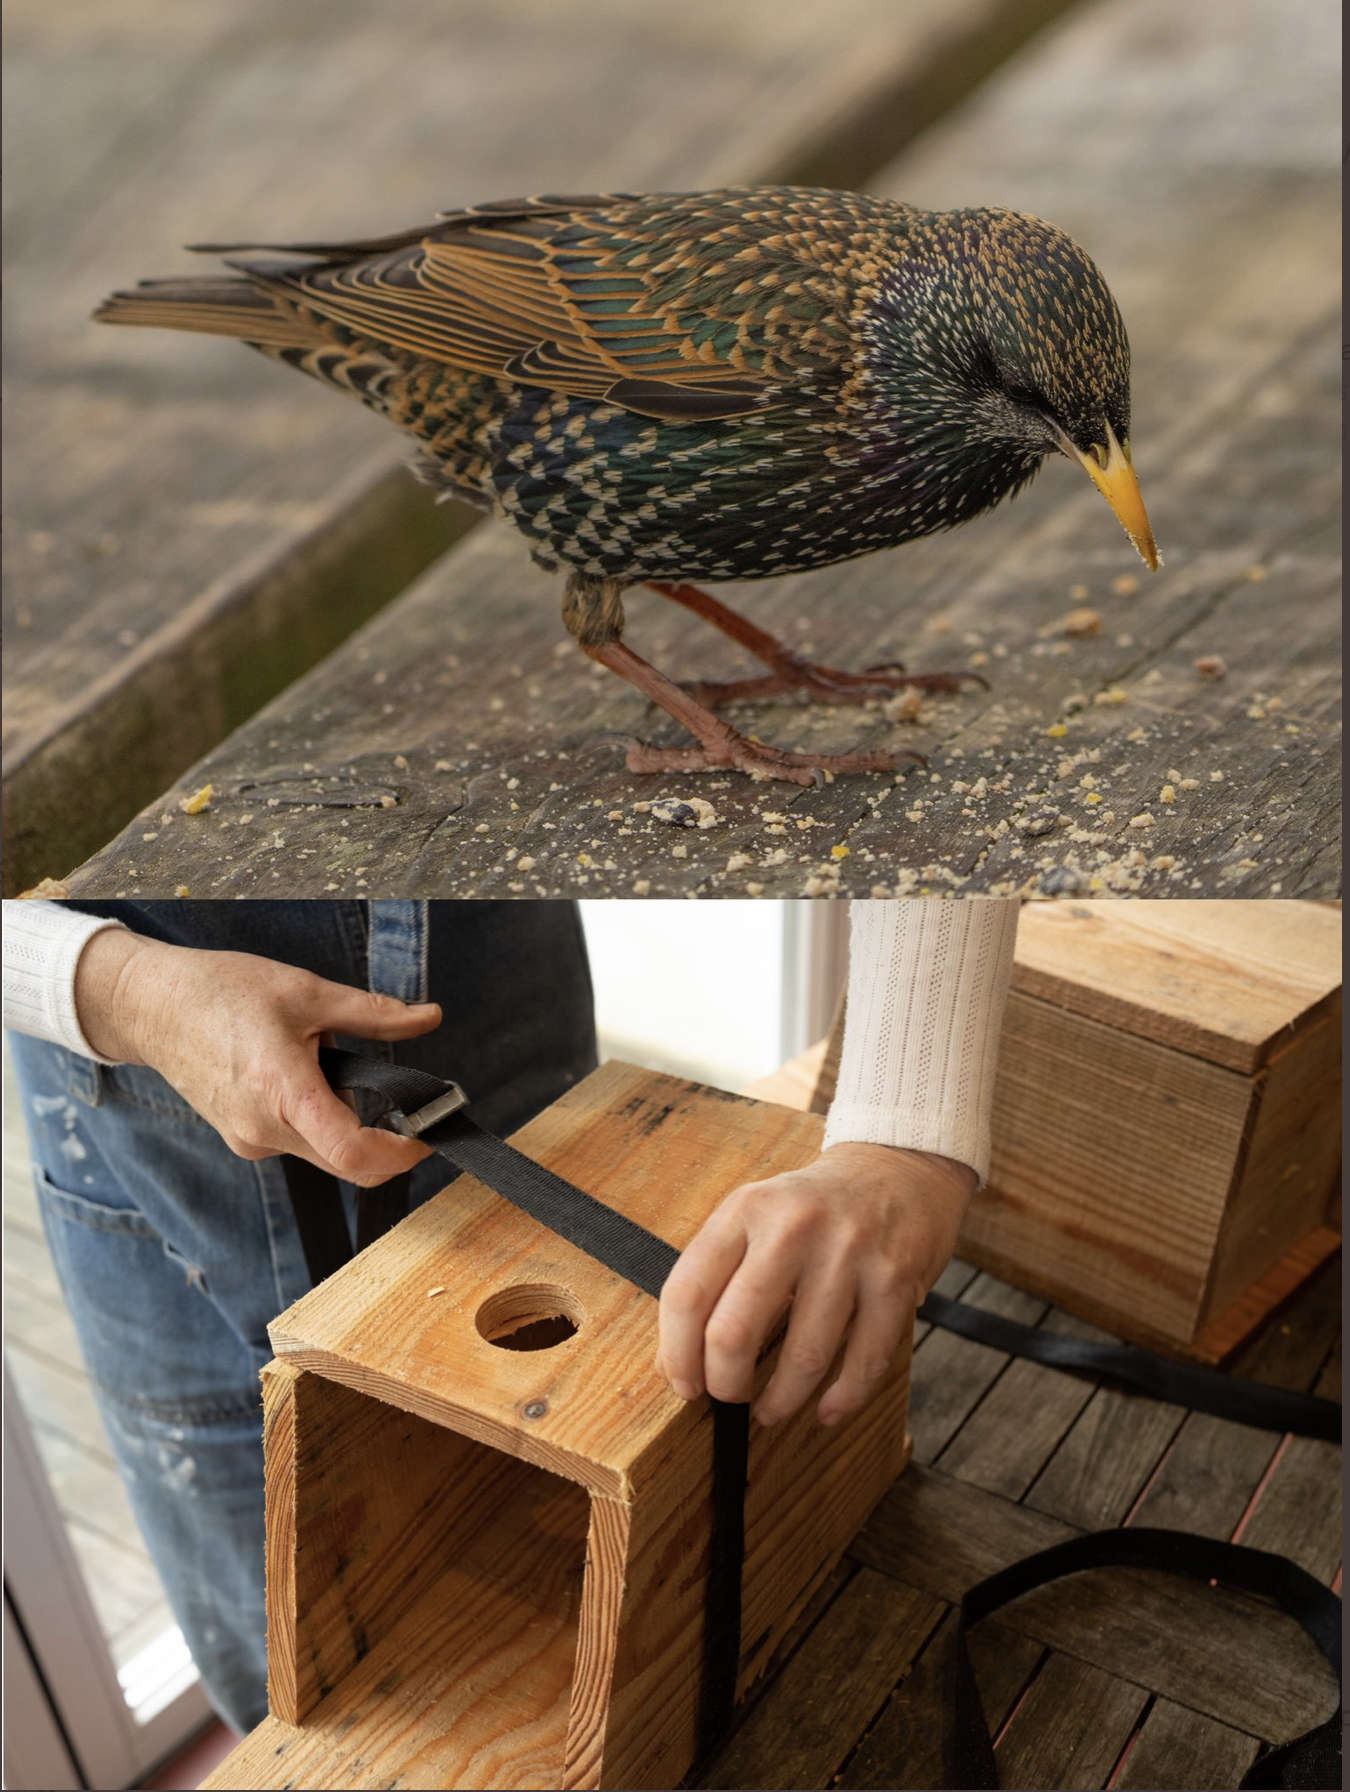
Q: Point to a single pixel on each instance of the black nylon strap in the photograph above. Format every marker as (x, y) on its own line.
(1184, 1384)
(1312, 1760)
(631, 1251)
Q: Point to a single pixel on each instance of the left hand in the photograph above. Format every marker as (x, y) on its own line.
(852, 1243)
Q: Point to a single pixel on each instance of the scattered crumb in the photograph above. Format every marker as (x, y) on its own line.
(1082, 622)
(181, 890)
(1114, 695)
(679, 852)
(642, 887)
(1078, 593)
(1057, 730)
(1216, 777)
(683, 812)
(978, 659)
(1209, 665)
(1142, 820)
(525, 864)
(199, 800)
(738, 861)
(47, 889)
(1125, 585)
(1167, 794)
(839, 852)
(1257, 573)
(753, 889)
(401, 761)
(442, 765)
(905, 705)
(1188, 783)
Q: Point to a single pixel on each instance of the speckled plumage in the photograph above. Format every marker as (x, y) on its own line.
(721, 385)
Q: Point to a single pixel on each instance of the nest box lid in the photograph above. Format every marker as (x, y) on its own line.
(1223, 981)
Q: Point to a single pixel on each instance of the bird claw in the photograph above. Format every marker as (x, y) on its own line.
(760, 761)
(827, 684)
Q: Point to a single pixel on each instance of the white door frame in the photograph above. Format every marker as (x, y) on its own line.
(60, 1655)
(815, 969)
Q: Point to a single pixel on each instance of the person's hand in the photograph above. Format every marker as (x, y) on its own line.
(238, 1037)
(853, 1243)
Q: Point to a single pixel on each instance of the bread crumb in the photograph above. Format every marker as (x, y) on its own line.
(1167, 794)
(1114, 695)
(198, 801)
(1209, 665)
(978, 659)
(1082, 622)
(642, 887)
(839, 852)
(1142, 820)
(1216, 777)
(905, 705)
(181, 890)
(754, 889)
(1125, 585)
(1257, 573)
(1057, 731)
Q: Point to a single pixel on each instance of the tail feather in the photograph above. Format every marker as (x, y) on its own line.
(215, 306)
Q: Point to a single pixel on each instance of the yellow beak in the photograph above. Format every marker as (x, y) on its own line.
(1116, 482)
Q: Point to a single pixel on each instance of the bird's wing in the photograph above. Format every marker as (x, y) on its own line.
(678, 306)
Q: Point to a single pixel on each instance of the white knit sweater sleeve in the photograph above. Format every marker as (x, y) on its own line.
(43, 942)
(926, 988)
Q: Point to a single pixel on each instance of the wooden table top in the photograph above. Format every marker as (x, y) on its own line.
(455, 746)
(1127, 1678)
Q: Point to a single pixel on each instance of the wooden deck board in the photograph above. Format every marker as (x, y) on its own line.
(189, 527)
(464, 711)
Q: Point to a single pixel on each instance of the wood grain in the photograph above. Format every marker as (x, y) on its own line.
(1223, 981)
(903, 1747)
(1071, 1728)
(1236, 439)
(845, 1671)
(1177, 1747)
(1112, 1163)
(1221, 1653)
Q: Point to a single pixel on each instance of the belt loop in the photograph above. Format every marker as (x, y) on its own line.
(397, 951)
(86, 1080)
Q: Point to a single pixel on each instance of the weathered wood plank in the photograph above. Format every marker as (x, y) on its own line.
(904, 1746)
(1177, 1747)
(1100, 1467)
(1071, 1728)
(492, 756)
(1218, 1652)
(178, 551)
(1004, 1443)
(1213, 1467)
(800, 1731)
(958, 1372)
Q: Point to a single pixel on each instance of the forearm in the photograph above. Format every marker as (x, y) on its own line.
(928, 980)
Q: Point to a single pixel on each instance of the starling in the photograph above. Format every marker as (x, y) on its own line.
(723, 385)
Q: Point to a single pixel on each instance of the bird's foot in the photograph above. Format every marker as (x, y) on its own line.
(826, 684)
(737, 752)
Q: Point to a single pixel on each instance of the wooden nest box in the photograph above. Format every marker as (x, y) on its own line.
(1166, 1137)
(488, 1518)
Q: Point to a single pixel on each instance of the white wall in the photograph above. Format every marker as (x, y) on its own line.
(694, 988)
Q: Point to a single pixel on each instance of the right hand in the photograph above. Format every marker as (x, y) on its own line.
(238, 1036)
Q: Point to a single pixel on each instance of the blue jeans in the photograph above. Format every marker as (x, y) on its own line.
(174, 1254)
